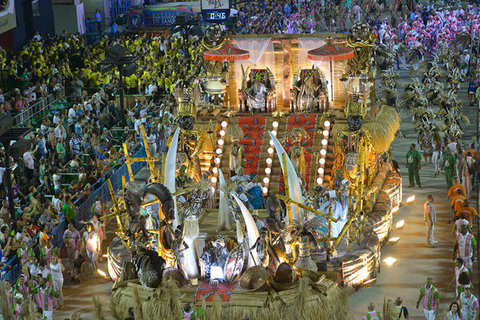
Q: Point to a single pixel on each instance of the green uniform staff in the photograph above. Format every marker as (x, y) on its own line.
(414, 164)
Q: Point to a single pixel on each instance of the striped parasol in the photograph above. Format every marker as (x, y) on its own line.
(227, 53)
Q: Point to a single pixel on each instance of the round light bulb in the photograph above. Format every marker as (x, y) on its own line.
(224, 124)
(266, 180)
(323, 152)
(219, 151)
(274, 132)
(324, 142)
(222, 133)
(270, 150)
(325, 133)
(319, 181)
(217, 160)
(271, 142)
(214, 179)
(213, 189)
(326, 124)
(322, 161)
(275, 124)
(215, 170)
(268, 170)
(220, 142)
(321, 170)
(265, 190)
(269, 161)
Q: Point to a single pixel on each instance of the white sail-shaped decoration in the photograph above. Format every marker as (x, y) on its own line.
(252, 231)
(293, 181)
(170, 166)
(224, 215)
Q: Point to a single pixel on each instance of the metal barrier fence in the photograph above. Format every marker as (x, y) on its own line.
(38, 109)
(84, 212)
(118, 7)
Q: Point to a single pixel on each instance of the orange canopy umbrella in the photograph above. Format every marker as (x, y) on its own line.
(331, 52)
(227, 53)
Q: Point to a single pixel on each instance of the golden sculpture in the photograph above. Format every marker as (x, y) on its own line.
(296, 153)
(362, 40)
(235, 150)
(191, 141)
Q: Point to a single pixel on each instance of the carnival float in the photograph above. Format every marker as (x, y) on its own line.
(276, 193)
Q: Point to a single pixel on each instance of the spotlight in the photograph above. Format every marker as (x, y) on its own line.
(274, 132)
(400, 224)
(324, 142)
(219, 151)
(275, 124)
(224, 124)
(266, 180)
(215, 170)
(268, 170)
(222, 133)
(270, 150)
(269, 160)
(390, 261)
(220, 142)
(319, 180)
(265, 190)
(393, 241)
(271, 142)
(326, 124)
(102, 273)
(410, 200)
(322, 161)
(323, 152)
(321, 170)
(213, 189)
(395, 209)
(217, 160)
(325, 133)
(214, 179)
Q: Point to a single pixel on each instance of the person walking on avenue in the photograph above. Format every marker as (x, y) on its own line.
(402, 311)
(414, 164)
(468, 304)
(372, 314)
(449, 163)
(459, 269)
(431, 299)
(430, 217)
(464, 246)
(469, 211)
(453, 312)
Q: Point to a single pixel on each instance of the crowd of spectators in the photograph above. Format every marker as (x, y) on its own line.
(78, 144)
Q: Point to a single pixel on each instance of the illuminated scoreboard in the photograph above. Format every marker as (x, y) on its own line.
(215, 10)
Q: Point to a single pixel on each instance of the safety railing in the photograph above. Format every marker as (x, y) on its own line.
(37, 109)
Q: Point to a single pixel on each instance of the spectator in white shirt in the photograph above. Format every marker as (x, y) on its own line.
(56, 117)
(29, 162)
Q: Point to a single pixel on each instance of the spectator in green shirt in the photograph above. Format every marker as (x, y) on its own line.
(69, 210)
(414, 164)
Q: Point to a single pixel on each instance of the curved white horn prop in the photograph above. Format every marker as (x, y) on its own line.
(252, 231)
(170, 165)
(293, 182)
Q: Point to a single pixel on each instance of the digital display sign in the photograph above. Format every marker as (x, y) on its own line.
(215, 10)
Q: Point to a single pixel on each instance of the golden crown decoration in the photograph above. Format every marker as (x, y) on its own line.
(355, 109)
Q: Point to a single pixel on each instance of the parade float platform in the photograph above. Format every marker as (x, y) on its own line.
(356, 268)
